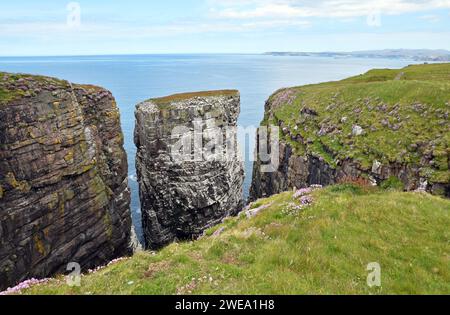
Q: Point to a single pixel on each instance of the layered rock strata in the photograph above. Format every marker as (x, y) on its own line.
(189, 170)
(64, 193)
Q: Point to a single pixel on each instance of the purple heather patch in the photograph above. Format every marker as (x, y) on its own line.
(304, 196)
(33, 282)
(24, 285)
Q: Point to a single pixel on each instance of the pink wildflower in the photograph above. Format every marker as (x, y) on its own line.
(24, 285)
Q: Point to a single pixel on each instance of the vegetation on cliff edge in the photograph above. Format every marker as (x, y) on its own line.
(15, 86)
(324, 248)
(185, 96)
(390, 116)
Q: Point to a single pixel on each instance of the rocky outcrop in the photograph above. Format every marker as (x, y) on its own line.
(185, 190)
(293, 172)
(301, 171)
(322, 146)
(64, 193)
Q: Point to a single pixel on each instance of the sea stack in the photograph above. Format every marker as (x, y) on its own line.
(64, 194)
(189, 168)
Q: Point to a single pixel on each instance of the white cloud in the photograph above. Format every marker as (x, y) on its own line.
(269, 10)
(251, 9)
(118, 30)
(228, 16)
(431, 18)
(279, 22)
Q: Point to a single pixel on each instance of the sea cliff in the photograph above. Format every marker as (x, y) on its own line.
(386, 128)
(64, 193)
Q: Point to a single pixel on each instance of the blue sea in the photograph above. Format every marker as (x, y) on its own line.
(135, 78)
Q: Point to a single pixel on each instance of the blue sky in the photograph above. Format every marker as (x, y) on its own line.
(50, 27)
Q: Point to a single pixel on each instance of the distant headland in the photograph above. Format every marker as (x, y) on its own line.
(413, 54)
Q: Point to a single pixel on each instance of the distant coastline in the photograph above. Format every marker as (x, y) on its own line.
(425, 55)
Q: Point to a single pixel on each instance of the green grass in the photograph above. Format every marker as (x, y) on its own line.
(324, 249)
(383, 102)
(3, 95)
(185, 96)
(7, 94)
(430, 72)
(393, 183)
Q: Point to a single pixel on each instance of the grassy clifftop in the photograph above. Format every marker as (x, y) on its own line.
(186, 96)
(389, 116)
(15, 86)
(286, 248)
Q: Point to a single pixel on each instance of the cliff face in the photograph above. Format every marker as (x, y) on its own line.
(387, 127)
(181, 197)
(63, 178)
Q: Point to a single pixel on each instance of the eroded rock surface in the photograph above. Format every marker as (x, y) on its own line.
(180, 198)
(64, 193)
